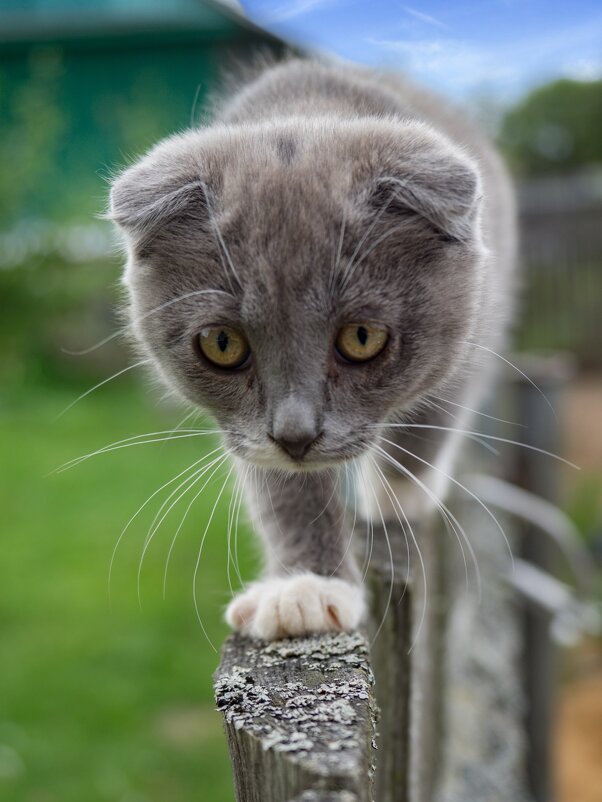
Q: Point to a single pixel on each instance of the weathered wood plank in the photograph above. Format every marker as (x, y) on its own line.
(300, 718)
(529, 471)
(407, 659)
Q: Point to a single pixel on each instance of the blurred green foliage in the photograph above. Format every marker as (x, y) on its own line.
(49, 307)
(560, 310)
(554, 129)
(585, 509)
(69, 120)
(32, 129)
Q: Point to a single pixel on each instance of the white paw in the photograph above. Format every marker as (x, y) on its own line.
(304, 604)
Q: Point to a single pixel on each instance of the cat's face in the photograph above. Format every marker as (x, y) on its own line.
(302, 283)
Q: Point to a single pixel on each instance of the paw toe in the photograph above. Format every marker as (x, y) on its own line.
(296, 606)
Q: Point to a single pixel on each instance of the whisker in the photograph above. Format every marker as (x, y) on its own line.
(337, 261)
(462, 487)
(138, 511)
(325, 507)
(240, 502)
(268, 492)
(223, 251)
(352, 528)
(216, 465)
(395, 501)
(197, 92)
(198, 561)
(129, 441)
(432, 405)
(190, 482)
(517, 369)
(133, 322)
(448, 517)
(230, 523)
(100, 384)
(369, 531)
(180, 426)
(391, 563)
(174, 492)
(478, 440)
(476, 434)
(352, 265)
(481, 414)
(439, 408)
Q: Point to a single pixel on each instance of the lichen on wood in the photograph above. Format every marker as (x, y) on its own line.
(300, 717)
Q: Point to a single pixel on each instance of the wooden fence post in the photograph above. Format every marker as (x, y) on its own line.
(300, 718)
(529, 471)
(407, 657)
(301, 715)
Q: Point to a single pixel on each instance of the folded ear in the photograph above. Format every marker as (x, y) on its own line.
(164, 185)
(439, 184)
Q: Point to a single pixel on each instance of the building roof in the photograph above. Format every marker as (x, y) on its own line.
(26, 22)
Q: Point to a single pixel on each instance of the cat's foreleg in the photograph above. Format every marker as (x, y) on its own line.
(311, 583)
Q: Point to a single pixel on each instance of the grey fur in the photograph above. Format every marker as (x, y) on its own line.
(320, 195)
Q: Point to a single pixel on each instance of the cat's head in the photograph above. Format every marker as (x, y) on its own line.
(302, 281)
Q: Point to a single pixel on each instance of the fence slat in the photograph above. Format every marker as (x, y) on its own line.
(407, 662)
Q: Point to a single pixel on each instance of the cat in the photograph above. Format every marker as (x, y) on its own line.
(332, 253)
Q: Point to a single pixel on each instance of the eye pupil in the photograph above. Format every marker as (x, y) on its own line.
(222, 341)
(224, 346)
(360, 342)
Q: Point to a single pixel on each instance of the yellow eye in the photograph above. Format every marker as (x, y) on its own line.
(224, 346)
(359, 342)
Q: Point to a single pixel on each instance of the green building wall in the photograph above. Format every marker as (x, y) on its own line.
(86, 87)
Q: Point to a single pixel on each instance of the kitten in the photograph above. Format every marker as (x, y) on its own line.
(315, 263)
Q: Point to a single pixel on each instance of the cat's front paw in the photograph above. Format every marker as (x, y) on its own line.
(304, 604)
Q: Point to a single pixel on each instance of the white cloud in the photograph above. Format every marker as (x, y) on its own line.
(583, 69)
(295, 8)
(420, 15)
(460, 63)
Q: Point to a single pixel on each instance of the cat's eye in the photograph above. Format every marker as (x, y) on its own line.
(224, 346)
(359, 342)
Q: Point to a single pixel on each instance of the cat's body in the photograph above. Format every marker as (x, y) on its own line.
(347, 238)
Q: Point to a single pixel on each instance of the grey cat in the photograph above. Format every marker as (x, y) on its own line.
(332, 254)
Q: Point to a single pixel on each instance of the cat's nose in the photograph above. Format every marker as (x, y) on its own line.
(298, 447)
(294, 426)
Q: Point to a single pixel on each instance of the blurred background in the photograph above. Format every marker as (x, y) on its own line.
(112, 700)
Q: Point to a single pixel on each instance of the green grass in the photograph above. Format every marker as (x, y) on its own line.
(104, 701)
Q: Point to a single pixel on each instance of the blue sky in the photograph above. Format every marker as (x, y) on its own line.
(498, 47)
